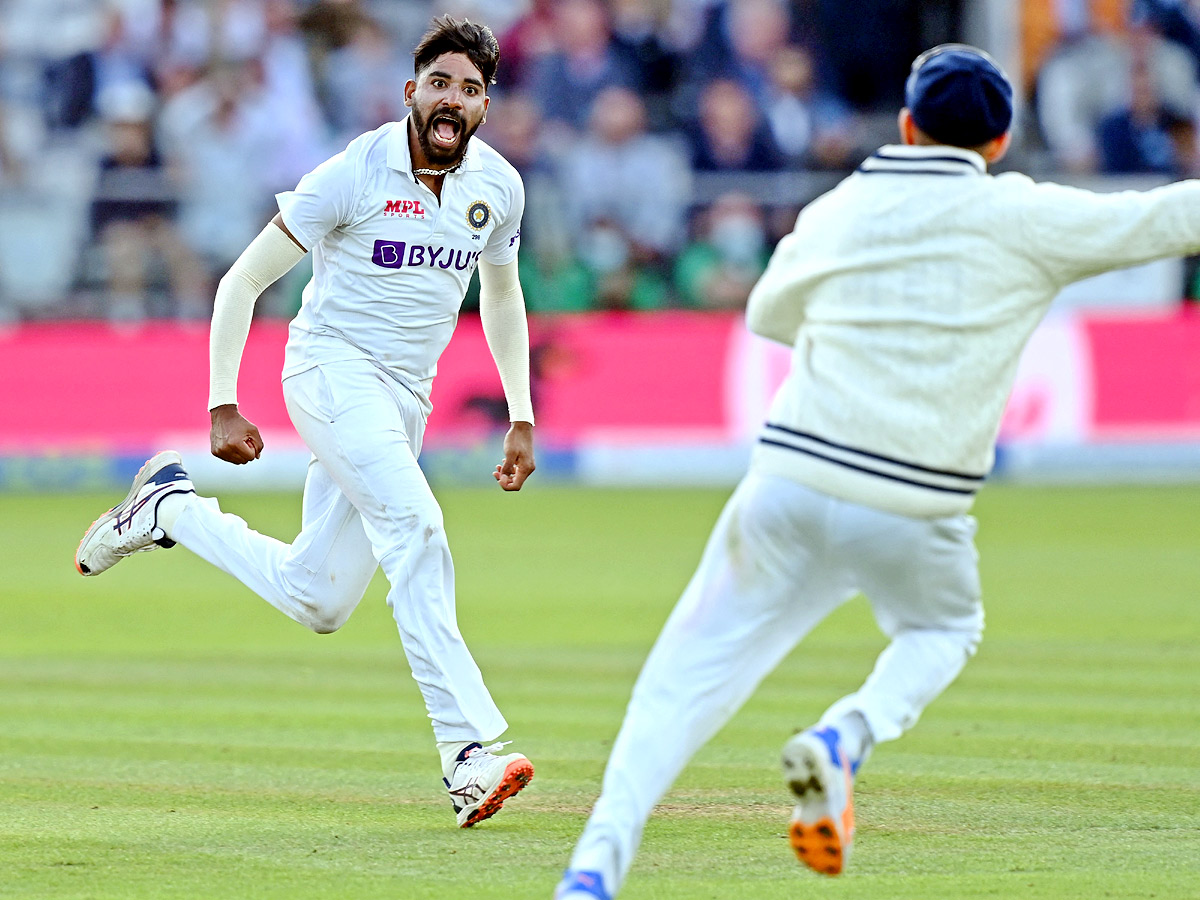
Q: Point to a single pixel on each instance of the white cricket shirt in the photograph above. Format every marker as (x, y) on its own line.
(391, 264)
(908, 293)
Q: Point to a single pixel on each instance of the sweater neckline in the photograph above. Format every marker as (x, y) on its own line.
(904, 159)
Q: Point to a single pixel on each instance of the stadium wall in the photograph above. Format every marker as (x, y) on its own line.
(621, 399)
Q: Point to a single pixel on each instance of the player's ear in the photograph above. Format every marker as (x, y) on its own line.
(907, 127)
(410, 88)
(997, 147)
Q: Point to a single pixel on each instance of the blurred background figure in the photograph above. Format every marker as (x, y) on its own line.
(810, 126)
(134, 215)
(730, 251)
(1146, 136)
(365, 83)
(218, 142)
(568, 76)
(625, 190)
(730, 134)
(1088, 75)
(60, 41)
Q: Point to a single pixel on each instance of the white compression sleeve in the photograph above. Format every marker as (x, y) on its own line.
(268, 258)
(502, 310)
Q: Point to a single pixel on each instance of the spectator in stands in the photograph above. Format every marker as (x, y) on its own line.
(811, 127)
(364, 86)
(731, 135)
(718, 269)
(1175, 20)
(60, 39)
(621, 179)
(219, 142)
(641, 29)
(568, 79)
(758, 32)
(617, 278)
(133, 214)
(526, 41)
(1146, 136)
(519, 134)
(1087, 78)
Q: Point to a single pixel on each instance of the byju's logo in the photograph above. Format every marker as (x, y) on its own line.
(389, 254)
(399, 254)
(404, 209)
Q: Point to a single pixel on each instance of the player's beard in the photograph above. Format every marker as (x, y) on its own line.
(443, 157)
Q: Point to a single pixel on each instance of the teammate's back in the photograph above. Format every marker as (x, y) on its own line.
(909, 291)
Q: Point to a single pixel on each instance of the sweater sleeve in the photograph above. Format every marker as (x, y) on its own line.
(1076, 233)
(775, 308)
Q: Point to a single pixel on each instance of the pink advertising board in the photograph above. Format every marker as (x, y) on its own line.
(646, 380)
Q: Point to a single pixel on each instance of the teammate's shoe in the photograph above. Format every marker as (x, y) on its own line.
(132, 525)
(818, 772)
(482, 781)
(581, 886)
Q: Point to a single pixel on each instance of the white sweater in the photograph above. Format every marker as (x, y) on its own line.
(908, 293)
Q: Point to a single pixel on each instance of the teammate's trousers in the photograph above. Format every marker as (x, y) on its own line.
(366, 504)
(780, 559)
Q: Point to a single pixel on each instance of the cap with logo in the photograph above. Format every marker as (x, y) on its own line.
(958, 95)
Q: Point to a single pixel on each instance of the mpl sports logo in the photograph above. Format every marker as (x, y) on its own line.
(404, 209)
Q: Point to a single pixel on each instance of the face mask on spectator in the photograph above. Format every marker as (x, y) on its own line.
(739, 239)
(604, 250)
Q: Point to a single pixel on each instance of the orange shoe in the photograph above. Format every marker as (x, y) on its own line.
(482, 781)
(818, 772)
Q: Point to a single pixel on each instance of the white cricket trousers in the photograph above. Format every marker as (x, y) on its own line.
(366, 504)
(781, 558)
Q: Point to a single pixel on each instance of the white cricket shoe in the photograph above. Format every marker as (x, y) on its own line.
(818, 771)
(482, 781)
(132, 525)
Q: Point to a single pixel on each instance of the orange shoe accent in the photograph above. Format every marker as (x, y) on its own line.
(516, 776)
(818, 846)
(78, 567)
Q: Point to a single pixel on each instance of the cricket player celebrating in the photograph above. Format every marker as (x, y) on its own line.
(396, 224)
(907, 294)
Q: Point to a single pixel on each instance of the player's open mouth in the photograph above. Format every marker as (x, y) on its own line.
(445, 130)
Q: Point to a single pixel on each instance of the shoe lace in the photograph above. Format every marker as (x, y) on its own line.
(499, 745)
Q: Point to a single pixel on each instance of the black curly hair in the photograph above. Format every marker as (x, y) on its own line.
(450, 35)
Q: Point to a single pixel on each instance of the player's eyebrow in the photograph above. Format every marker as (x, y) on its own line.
(470, 79)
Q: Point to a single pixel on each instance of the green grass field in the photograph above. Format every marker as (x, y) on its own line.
(165, 734)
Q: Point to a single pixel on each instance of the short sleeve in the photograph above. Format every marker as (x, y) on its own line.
(505, 240)
(323, 200)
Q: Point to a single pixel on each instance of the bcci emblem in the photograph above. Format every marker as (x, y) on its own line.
(478, 214)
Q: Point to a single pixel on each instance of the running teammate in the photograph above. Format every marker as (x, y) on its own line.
(397, 224)
(907, 293)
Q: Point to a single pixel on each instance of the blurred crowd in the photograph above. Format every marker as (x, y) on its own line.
(665, 144)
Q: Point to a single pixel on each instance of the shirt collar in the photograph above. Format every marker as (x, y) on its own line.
(400, 159)
(923, 160)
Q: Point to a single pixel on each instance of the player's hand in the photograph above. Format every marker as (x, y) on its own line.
(232, 437)
(518, 457)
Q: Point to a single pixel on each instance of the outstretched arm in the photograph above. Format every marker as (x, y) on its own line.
(272, 254)
(502, 310)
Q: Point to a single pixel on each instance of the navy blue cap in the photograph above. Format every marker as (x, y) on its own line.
(959, 96)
